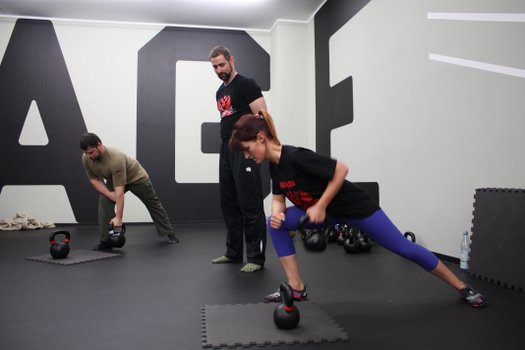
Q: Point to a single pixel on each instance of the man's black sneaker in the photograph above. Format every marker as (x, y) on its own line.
(298, 295)
(172, 239)
(103, 245)
(473, 298)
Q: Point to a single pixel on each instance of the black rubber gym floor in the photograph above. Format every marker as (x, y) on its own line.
(151, 296)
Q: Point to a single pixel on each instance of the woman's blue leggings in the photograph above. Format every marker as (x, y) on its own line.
(378, 226)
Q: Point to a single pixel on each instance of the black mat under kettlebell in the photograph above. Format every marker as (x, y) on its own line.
(245, 325)
(74, 257)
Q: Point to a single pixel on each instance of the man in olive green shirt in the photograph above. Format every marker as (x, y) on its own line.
(112, 173)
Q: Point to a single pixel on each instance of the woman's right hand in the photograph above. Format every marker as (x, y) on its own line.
(277, 220)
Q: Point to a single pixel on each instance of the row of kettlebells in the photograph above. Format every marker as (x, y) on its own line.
(351, 238)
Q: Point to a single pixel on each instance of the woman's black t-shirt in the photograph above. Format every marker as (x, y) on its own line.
(302, 176)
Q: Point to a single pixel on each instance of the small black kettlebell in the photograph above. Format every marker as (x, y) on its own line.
(364, 242)
(286, 315)
(59, 249)
(316, 239)
(117, 237)
(332, 234)
(351, 243)
(342, 234)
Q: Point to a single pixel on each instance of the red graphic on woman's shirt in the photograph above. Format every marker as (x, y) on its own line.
(300, 198)
(287, 184)
(224, 105)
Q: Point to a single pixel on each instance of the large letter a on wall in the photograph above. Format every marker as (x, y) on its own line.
(33, 68)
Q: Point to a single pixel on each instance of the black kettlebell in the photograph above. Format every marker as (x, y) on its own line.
(364, 242)
(286, 315)
(411, 235)
(332, 234)
(117, 239)
(351, 243)
(342, 234)
(59, 249)
(314, 240)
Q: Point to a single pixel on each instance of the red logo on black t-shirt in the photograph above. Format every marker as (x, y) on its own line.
(224, 105)
(300, 198)
(287, 184)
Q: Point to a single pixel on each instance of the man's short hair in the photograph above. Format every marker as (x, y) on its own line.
(89, 140)
(220, 50)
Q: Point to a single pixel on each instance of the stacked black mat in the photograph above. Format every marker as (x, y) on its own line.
(498, 237)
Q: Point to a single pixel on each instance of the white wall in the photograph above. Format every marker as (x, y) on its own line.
(432, 132)
(292, 74)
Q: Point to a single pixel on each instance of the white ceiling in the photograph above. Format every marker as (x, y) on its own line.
(241, 14)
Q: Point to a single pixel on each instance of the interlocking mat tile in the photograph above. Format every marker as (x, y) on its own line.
(245, 325)
(74, 257)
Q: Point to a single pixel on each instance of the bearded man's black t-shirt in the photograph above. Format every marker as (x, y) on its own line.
(233, 101)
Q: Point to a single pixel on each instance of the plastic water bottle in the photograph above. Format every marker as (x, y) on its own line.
(463, 256)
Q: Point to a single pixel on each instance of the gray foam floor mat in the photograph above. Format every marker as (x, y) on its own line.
(252, 325)
(74, 257)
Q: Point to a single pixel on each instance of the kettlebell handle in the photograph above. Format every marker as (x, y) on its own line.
(52, 236)
(118, 229)
(286, 296)
(410, 236)
(304, 219)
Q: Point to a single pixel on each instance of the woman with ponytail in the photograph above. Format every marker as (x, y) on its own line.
(317, 186)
